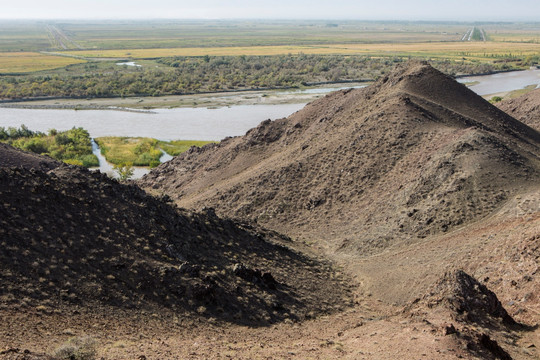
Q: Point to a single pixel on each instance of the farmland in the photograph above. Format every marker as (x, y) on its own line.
(27, 62)
(450, 50)
(112, 35)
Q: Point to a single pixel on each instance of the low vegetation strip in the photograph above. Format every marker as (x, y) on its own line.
(137, 151)
(27, 62)
(141, 151)
(71, 146)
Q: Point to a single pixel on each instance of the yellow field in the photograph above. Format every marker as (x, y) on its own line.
(477, 49)
(434, 49)
(25, 62)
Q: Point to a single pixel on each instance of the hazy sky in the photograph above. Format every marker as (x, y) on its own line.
(463, 10)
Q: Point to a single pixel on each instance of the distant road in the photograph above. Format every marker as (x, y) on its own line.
(468, 36)
(59, 39)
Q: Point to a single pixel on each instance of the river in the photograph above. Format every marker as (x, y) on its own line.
(502, 82)
(163, 124)
(107, 168)
(208, 124)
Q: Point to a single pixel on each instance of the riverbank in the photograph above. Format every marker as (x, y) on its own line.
(18, 105)
(206, 100)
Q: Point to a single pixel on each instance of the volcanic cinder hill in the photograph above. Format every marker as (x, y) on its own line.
(423, 198)
(406, 183)
(415, 154)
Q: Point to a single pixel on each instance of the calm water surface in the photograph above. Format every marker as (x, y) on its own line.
(208, 124)
(163, 124)
(503, 82)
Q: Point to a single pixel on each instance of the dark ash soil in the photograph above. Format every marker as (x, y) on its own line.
(70, 237)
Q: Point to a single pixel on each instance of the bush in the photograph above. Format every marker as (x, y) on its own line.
(90, 161)
(125, 171)
(62, 139)
(72, 146)
(36, 145)
(79, 348)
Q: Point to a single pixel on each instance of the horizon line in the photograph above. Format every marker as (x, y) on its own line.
(274, 19)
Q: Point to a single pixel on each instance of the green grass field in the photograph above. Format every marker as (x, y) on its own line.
(141, 151)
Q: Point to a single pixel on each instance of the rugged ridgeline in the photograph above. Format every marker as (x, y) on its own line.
(70, 237)
(525, 108)
(415, 154)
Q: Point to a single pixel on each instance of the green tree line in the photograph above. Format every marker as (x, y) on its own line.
(187, 75)
(72, 146)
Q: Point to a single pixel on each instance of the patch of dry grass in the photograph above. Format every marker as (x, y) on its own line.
(25, 62)
(456, 49)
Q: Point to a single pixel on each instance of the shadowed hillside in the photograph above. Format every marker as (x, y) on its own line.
(70, 237)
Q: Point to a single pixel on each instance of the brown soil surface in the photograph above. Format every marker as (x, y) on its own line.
(525, 108)
(425, 197)
(414, 155)
(399, 182)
